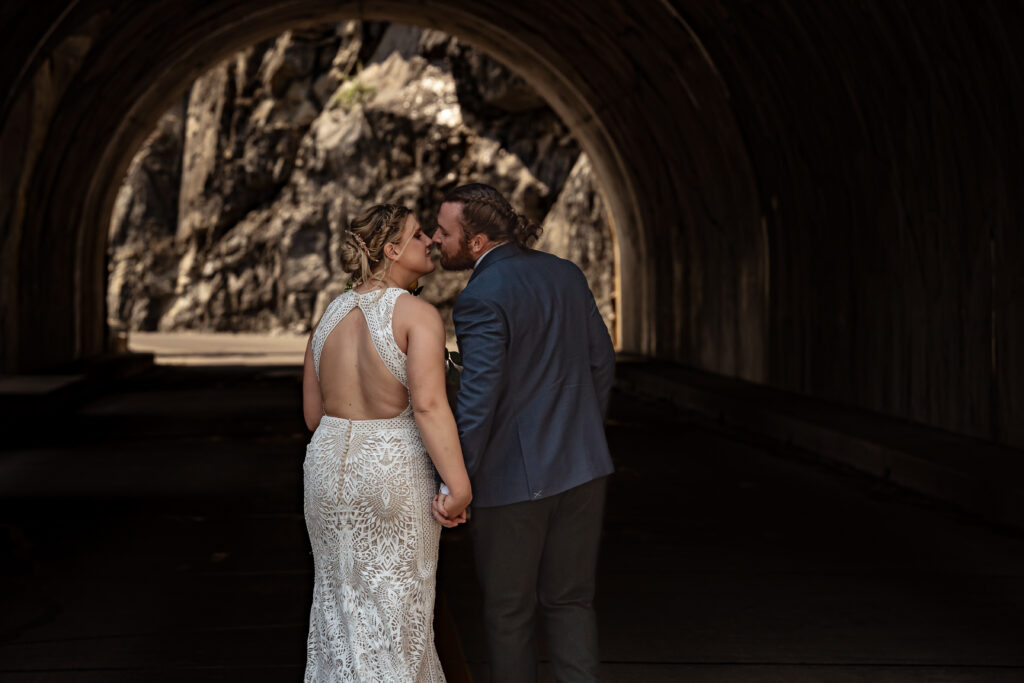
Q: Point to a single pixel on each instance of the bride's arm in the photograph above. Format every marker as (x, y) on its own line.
(425, 369)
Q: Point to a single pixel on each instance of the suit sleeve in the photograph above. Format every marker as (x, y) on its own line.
(483, 340)
(602, 355)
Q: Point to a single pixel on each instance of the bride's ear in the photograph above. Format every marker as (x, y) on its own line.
(391, 251)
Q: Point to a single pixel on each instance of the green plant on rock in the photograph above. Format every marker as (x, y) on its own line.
(352, 92)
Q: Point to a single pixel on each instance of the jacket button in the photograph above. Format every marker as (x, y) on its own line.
(536, 494)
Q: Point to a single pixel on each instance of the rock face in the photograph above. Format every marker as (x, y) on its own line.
(231, 215)
(144, 254)
(570, 231)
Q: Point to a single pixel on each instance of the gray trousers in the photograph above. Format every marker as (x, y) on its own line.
(544, 553)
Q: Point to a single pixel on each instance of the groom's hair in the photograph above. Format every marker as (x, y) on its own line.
(485, 210)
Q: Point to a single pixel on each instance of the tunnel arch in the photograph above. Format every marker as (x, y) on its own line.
(823, 199)
(685, 217)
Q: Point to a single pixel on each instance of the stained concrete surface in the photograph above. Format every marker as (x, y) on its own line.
(155, 533)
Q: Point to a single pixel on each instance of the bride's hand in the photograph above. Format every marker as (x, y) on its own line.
(442, 506)
(438, 512)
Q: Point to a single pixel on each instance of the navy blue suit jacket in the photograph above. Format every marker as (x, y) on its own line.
(538, 365)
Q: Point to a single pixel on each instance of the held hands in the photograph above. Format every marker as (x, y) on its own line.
(449, 509)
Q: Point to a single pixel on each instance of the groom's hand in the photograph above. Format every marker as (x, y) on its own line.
(437, 508)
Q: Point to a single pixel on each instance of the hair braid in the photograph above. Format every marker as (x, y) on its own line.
(367, 234)
(485, 210)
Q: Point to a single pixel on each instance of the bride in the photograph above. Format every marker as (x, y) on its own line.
(373, 390)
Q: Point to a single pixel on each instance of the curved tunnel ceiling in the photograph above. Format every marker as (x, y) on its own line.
(122, 66)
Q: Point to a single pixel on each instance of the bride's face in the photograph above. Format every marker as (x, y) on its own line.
(413, 249)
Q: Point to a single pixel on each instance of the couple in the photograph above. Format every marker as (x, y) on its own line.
(526, 444)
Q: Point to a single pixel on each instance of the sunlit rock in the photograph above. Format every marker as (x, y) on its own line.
(281, 145)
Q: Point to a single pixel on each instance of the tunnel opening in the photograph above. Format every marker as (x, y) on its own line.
(230, 215)
(570, 107)
(677, 181)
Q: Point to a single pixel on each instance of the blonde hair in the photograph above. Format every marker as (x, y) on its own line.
(362, 248)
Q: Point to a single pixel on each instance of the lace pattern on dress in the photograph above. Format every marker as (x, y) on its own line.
(367, 488)
(378, 308)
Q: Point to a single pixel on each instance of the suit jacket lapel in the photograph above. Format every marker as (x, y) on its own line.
(497, 254)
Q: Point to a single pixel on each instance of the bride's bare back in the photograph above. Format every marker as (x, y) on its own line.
(359, 360)
(354, 381)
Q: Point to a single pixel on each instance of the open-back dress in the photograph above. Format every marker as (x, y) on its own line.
(368, 486)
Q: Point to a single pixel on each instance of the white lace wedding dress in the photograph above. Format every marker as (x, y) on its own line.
(368, 488)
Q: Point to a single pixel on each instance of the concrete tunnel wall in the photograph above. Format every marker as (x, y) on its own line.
(820, 198)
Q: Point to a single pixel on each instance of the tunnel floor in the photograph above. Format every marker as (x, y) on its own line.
(155, 533)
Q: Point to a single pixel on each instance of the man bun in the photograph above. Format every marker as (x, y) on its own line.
(485, 210)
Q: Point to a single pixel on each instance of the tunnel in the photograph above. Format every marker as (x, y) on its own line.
(820, 201)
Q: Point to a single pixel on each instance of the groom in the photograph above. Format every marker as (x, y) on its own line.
(537, 374)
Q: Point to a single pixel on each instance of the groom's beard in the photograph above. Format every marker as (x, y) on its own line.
(460, 260)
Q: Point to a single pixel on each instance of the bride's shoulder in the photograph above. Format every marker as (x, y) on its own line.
(414, 313)
(414, 306)
(414, 317)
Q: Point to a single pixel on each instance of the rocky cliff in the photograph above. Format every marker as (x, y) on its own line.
(231, 213)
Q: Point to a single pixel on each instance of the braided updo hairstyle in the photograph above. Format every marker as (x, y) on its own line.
(362, 248)
(485, 210)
